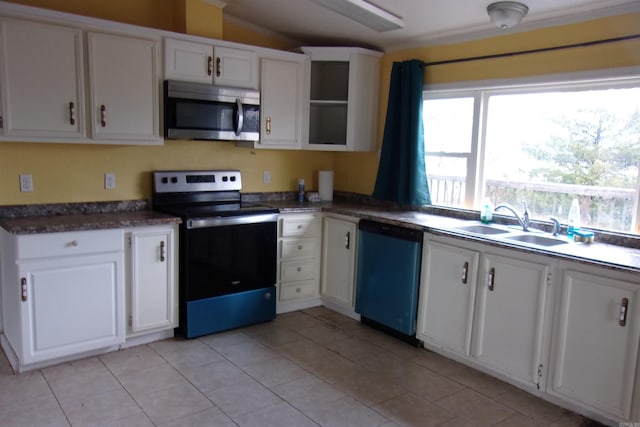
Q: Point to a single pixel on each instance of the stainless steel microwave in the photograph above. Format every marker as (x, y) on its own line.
(203, 111)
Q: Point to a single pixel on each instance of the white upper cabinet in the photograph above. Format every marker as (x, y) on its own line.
(188, 61)
(282, 117)
(41, 80)
(343, 103)
(235, 67)
(596, 340)
(124, 88)
(205, 63)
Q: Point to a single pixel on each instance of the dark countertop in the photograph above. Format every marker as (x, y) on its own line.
(601, 254)
(44, 219)
(84, 221)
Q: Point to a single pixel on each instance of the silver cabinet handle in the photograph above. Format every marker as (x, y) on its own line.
(163, 254)
(465, 272)
(209, 65)
(347, 240)
(23, 288)
(624, 305)
(103, 116)
(72, 113)
(218, 66)
(268, 125)
(492, 278)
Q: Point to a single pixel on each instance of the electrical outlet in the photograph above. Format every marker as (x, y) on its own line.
(26, 182)
(109, 181)
(266, 177)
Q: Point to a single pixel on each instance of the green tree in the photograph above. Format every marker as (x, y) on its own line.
(592, 147)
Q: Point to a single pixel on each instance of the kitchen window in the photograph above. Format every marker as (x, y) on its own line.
(546, 143)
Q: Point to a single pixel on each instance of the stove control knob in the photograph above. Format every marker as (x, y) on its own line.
(174, 180)
(233, 178)
(164, 180)
(225, 178)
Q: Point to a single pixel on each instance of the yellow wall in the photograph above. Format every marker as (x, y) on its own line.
(356, 172)
(75, 173)
(72, 173)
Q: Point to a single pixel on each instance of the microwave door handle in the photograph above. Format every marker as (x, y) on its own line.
(239, 116)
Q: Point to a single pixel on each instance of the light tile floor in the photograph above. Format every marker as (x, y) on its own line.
(307, 368)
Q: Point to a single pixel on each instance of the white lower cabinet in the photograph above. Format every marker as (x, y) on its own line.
(339, 237)
(596, 340)
(62, 294)
(512, 317)
(299, 240)
(152, 290)
(569, 332)
(447, 296)
(486, 305)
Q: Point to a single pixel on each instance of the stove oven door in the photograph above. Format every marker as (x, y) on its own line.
(227, 256)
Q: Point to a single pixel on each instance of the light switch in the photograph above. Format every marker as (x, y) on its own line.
(109, 181)
(26, 182)
(266, 177)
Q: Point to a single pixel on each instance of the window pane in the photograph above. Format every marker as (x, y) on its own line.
(448, 124)
(447, 180)
(550, 148)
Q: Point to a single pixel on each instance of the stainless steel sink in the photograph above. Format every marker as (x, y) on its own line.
(482, 229)
(537, 240)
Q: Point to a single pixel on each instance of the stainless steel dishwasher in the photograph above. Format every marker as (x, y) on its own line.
(388, 277)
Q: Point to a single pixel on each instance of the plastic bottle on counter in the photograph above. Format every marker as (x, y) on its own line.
(301, 190)
(574, 218)
(486, 213)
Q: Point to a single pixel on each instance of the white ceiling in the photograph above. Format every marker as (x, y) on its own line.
(427, 21)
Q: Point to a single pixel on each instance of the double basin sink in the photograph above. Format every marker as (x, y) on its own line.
(527, 238)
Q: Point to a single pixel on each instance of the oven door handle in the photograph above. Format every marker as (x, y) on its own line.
(222, 221)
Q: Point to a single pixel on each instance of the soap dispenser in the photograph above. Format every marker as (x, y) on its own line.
(486, 213)
(574, 218)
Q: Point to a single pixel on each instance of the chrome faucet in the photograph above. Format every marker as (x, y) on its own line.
(556, 225)
(524, 221)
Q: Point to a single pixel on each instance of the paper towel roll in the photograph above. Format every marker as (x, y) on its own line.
(325, 185)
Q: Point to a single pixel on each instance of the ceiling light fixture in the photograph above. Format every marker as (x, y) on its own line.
(506, 14)
(365, 13)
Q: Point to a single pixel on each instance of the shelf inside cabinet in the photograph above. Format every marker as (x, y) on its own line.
(328, 123)
(329, 80)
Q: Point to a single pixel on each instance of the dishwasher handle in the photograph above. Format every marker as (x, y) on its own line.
(390, 230)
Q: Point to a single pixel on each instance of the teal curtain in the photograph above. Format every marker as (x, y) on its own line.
(402, 176)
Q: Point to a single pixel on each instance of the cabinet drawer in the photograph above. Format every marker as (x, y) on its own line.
(300, 226)
(295, 290)
(297, 270)
(68, 243)
(298, 248)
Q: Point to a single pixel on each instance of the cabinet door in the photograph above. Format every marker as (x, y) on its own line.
(281, 104)
(124, 87)
(510, 316)
(152, 286)
(596, 342)
(338, 260)
(42, 80)
(188, 61)
(447, 295)
(235, 67)
(71, 305)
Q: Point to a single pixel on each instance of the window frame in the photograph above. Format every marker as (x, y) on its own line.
(482, 90)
